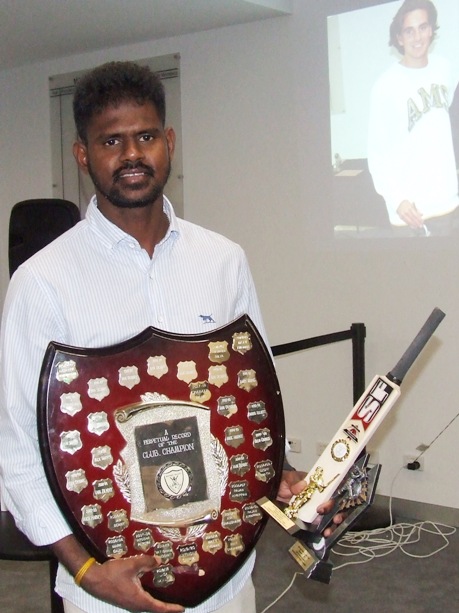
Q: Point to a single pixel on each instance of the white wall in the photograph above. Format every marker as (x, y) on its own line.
(251, 173)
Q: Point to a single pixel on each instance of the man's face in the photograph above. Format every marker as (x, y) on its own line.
(415, 38)
(128, 155)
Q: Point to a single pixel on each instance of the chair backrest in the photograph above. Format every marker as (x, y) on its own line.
(35, 223)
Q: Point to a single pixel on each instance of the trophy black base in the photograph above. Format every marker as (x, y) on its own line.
(311, 549)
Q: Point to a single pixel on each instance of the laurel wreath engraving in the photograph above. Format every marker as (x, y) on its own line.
(174, 534)
(121, 475)
(221, 460)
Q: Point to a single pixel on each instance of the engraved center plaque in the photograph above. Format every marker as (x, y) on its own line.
(142, 459)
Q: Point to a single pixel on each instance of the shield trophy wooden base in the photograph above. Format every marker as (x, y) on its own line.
(162, 445)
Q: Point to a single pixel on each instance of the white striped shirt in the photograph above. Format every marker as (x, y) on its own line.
(95, 286)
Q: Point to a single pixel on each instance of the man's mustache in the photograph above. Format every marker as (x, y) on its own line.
(133, 166)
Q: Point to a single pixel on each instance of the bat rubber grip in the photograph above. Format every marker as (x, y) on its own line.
(406, 361)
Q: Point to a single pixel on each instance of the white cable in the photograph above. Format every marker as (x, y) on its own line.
(403, 535)
(438, 436)
(283, 593)
(371, 544)
(396, 536)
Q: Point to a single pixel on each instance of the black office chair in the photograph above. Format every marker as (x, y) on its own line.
(33, 224)
(15, 546)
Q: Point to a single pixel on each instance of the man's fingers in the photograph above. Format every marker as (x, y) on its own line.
(325, 507)
(299, 486)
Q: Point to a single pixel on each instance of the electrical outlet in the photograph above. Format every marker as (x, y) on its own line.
(295, 444)
(409, 458)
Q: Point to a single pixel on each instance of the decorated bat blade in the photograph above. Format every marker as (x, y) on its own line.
(362, 422)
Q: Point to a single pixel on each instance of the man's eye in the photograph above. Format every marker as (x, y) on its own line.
(145, 138)
(111, 142)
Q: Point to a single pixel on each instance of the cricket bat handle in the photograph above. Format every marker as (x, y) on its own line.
(417, 345)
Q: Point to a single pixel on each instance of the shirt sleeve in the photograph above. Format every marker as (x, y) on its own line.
(29, 323)
(248, 299)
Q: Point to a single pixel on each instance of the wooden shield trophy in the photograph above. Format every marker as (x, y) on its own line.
(162, 445)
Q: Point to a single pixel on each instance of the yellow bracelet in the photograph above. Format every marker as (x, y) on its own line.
(83, 570)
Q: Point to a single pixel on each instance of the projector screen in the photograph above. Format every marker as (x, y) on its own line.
(393, 121)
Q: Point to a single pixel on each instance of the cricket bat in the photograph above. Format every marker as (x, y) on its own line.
(357, 429)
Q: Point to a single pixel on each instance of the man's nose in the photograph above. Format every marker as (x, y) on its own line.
(132, 150)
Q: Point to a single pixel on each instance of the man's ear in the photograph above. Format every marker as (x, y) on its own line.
(170, 138)
(81, 155)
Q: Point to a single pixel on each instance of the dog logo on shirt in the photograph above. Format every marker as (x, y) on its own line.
(207, 319)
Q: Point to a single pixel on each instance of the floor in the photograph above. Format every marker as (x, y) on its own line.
(392, 583)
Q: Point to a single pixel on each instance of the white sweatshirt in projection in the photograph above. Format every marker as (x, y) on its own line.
(410, 148)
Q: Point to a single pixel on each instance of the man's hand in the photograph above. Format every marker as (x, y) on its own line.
(115, 581)
(118, 582)
(338, 518)
(293, 482)
(289, 484)
(408, 213)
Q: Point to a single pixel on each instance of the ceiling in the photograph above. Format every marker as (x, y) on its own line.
(39, 30)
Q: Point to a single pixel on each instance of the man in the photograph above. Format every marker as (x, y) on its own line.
(129, 265)
(410, 149)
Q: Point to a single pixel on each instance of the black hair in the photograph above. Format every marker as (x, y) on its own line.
(111, 84)
(407, 7)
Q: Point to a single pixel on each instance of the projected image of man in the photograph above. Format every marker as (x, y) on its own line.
(410, 149)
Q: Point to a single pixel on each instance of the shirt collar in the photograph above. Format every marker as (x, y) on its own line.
(111, 235)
